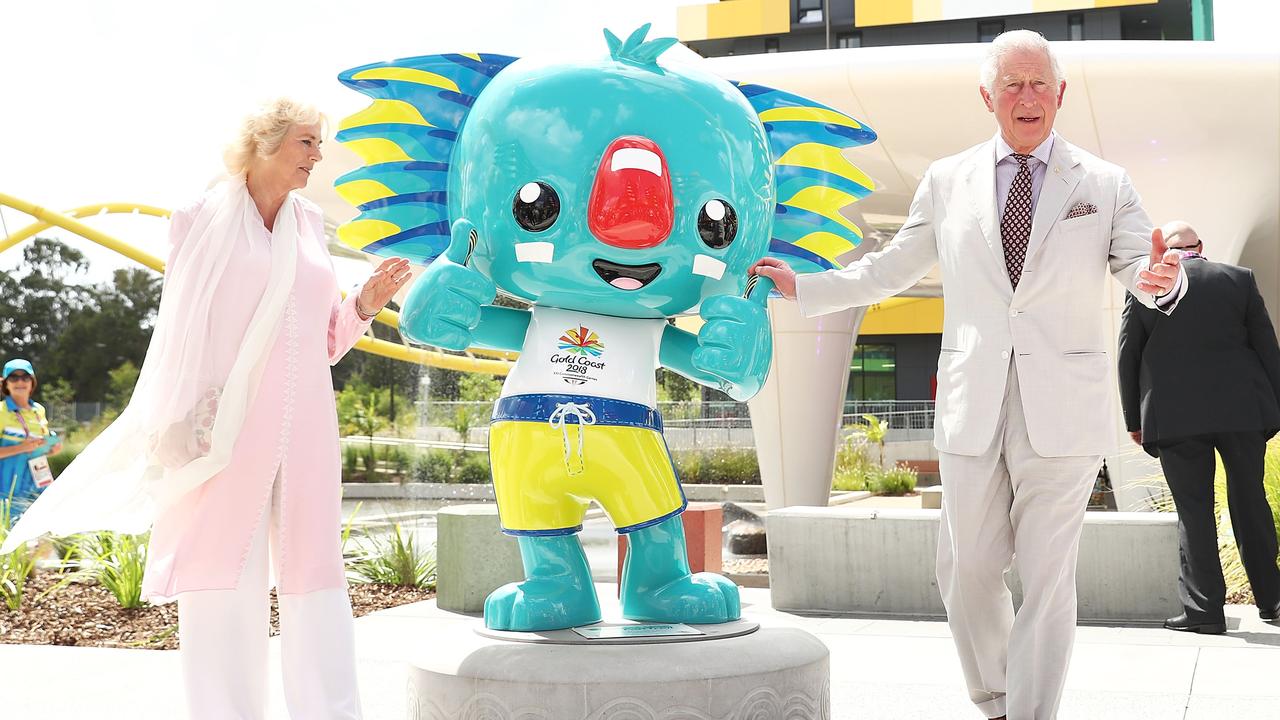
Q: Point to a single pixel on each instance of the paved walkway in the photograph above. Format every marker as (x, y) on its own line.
(899, 669)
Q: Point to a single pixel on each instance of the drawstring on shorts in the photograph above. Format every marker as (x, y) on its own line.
(559, 419)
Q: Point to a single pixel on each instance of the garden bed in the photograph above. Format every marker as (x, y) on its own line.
(87, 615)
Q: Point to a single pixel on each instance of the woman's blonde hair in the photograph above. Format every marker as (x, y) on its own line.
(262, 132)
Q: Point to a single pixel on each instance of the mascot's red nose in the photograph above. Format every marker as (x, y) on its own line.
(631, 204)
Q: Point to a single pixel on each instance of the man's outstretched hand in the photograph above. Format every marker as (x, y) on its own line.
(783, 277)
(1162, 273)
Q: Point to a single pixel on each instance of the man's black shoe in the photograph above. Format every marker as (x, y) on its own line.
(1269, 615)
(1182, 623)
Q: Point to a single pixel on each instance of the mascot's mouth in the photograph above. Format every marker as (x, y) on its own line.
(626, 277)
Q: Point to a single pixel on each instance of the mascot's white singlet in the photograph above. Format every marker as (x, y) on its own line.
(580, 353)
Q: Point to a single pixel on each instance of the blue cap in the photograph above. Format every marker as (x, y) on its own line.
(18, 364)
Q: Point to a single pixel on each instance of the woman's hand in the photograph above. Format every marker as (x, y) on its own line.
(385, 282)
(31, 443)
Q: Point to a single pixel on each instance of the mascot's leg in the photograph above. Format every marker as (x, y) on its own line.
(657, 585)
(556, 593)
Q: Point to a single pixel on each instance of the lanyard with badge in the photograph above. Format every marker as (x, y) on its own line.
(41, 474)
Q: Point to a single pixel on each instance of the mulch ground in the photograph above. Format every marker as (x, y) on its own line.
(89, 616)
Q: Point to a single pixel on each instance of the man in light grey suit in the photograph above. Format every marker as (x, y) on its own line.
(1024, 227)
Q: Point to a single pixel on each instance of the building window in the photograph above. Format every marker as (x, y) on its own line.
(849, 39)
(989, 29)
(771, 45)
(1140, 24)
(873, 374)
(1075, 26)
(808, 11)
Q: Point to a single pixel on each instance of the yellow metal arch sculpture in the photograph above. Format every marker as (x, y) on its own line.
(68, 221)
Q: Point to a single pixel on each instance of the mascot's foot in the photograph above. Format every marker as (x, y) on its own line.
(704, 598)
(535, 605)
(657, 585)
(558, 593)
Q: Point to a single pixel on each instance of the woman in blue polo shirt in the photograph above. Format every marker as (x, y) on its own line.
(24, 437)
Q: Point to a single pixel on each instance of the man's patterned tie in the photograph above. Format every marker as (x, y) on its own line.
(1015, 226)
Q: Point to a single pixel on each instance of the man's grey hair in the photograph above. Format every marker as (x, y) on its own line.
(1013, 41)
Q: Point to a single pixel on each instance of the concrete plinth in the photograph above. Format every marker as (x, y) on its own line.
(473, 557)
(874, 561)
(771, 673)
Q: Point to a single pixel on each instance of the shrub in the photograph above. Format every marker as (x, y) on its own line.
(394, 559)
(854, 466)
(397, 459)
(117, 562)
(15, 567)
(369, 461)
(461, 423)
(899, 480)
(722, 466)
(433, 466)
(473, 469)
(873, 430)
(350, 459)
(59, 462)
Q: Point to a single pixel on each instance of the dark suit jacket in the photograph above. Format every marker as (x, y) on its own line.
(1212, 366)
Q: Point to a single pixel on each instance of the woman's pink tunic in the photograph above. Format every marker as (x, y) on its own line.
(202, 541)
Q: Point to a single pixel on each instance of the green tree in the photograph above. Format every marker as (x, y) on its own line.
(38, 297)
(398, 378)
(120, 385)
(678, 388)
(113, 329)
(365, 417)
(70, 330)
(479, 387)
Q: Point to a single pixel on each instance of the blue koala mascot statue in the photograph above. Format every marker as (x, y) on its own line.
(609, 196)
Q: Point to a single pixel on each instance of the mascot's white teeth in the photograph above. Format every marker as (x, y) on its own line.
(636, 159)
(708, 266)
(535, 252)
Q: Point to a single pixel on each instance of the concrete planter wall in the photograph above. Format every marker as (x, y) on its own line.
(849, 560)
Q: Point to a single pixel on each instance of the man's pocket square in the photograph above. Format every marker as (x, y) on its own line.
(1081, 209)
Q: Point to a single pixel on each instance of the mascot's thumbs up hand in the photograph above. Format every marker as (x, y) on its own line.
(443, 306)
(734, 343)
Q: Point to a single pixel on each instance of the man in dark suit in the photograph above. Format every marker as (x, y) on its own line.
(1202, 379)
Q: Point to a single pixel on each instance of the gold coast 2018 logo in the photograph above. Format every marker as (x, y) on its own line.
(579, 356)
(582, 341)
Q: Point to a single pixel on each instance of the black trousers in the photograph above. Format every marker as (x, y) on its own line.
(1189, 469)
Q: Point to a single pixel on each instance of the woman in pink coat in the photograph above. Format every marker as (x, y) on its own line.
(209, 549)
(230, 442)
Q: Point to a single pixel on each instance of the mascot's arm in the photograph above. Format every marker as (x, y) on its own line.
(501, 328)
(732, 351)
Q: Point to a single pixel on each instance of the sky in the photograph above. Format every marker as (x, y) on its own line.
(134, 100)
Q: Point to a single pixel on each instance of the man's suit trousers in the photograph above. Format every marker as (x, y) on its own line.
(1004, 508)
(1189, 469)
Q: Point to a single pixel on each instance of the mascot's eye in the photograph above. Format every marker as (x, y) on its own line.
(717, 224)
(536, 206)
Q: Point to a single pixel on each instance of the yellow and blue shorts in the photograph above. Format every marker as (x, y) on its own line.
(552, 455)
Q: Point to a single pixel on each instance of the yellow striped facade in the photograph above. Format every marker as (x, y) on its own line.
(871, 13)
(903, 316)
(732, 19)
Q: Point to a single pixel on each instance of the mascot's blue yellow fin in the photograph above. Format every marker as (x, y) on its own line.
(814, 180)
(405, 139)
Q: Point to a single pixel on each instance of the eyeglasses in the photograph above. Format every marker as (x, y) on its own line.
(19, 377)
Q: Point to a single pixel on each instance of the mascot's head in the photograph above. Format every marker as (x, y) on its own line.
(619, 187)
